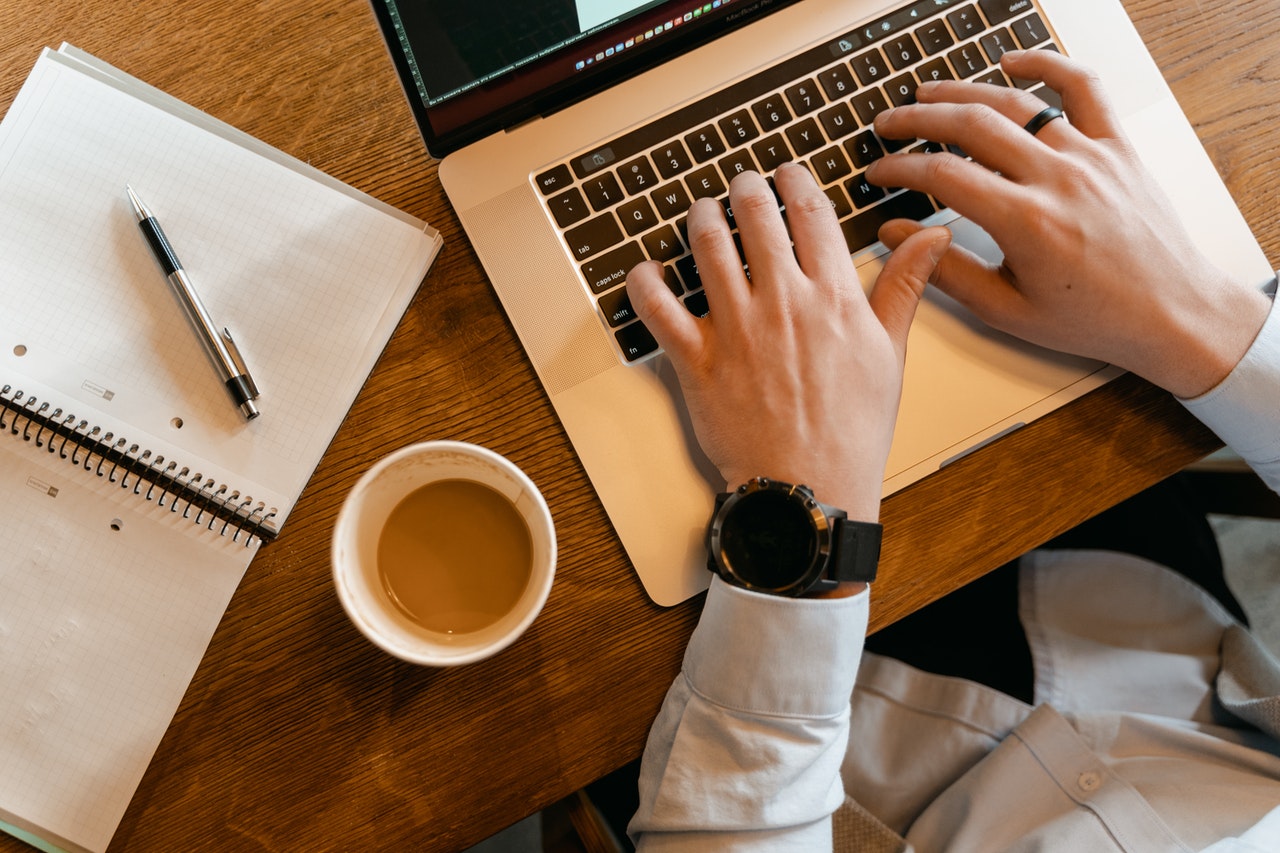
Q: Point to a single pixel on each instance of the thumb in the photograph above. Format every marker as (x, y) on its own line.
(901, 283)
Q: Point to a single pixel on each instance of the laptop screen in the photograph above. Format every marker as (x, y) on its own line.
(473, 67)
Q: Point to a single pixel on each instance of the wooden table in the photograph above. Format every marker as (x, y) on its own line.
(296, 733)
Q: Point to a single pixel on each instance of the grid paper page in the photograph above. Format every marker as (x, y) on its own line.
(100, 632)
(310, 281)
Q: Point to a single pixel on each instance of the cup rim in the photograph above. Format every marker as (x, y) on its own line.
(439, 657)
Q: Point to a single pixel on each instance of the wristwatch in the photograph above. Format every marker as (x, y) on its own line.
(775, 537)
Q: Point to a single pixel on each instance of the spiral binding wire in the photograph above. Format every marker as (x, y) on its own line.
(199, 498)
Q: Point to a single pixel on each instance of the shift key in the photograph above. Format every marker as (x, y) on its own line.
(611, 268)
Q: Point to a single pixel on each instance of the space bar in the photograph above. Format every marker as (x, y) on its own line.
(861, 230)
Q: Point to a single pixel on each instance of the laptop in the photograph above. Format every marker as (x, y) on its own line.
(573, 134)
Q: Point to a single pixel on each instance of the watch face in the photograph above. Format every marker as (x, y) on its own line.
(768, 540)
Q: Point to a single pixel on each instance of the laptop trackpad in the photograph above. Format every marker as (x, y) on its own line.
(966, 382)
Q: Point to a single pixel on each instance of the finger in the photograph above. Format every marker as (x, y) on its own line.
(1083, 97)
(819, 245)
(968, 188)
(901, 283)
(984, 288)
(986, 121)
(766, 245)
(716, 254)
(675, 329)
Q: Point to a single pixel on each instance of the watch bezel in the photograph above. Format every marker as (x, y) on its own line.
(814, 575)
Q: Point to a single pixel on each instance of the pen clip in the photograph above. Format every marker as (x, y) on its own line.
(239, 362)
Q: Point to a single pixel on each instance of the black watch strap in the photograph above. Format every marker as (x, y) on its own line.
(855, 550)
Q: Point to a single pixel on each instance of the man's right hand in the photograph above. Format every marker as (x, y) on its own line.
(1096, 263)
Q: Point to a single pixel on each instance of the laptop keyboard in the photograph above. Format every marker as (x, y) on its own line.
(626, 201)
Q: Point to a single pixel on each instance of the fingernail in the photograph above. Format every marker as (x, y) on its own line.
(1013, 55)
(938, 248)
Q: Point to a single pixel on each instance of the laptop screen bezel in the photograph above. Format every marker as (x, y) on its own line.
(511, 105)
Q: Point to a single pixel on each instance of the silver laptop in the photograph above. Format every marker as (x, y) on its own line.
(574, 134)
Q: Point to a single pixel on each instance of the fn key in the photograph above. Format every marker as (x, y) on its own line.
(635, 341)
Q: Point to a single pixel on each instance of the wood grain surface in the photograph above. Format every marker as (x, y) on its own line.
(296, 733)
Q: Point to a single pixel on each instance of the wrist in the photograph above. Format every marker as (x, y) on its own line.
(1203, 343)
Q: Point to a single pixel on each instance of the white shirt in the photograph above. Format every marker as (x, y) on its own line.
(1127, 746)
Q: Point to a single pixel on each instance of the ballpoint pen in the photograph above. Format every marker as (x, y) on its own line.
(221, 349)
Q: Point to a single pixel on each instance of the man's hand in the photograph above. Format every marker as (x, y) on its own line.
(1096, 261)
(795, 374)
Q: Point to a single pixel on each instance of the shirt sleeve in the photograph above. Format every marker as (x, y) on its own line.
(746, 751)
(1244, 409)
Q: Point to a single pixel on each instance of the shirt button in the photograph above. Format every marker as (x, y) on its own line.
(1089, 781)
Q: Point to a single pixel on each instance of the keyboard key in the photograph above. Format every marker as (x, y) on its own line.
(997, 43)
(830, 166)
(616, 307)
(999, 11)
(870, 67)
(1049, 96)
(738, 128)
(671, 200)
(736, 163)
(804, 97)
(637, 176)
(839, 201)
(602, 190)
(611, 268)
(771, 152)
(687, 269)
(697, 304)
(592, 236)
(1030, 31)
(935, 37)
(902, 90)
(863, 192)
(568, 207)
(935, 69)
(868, 105)
(663, 244)
(706, 182)
(837, 82)
(863, 229)
(967, 60)
(838, 121)
(805, 137)
(637, 216)
(863, 149)
(965, 22)
(635, 341)
(771, 113)
(704, 144)
(554, 179)
(994, 77)
(671, 160)
(902, 51)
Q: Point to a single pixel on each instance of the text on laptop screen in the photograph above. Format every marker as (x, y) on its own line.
(472, 68)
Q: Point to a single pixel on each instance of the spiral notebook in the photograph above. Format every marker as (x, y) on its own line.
(133, 493)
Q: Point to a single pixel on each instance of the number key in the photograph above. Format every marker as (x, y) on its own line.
(637, 176)
(837, 82)
(804, 97)
(671, 160)
(771, 112)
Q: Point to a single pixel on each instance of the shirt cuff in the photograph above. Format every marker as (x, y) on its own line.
(766, 654)
(1242, 409)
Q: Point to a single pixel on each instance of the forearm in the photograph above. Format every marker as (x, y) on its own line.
(746, 751)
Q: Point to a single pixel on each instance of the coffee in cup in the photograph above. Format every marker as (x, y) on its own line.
(443, 553)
